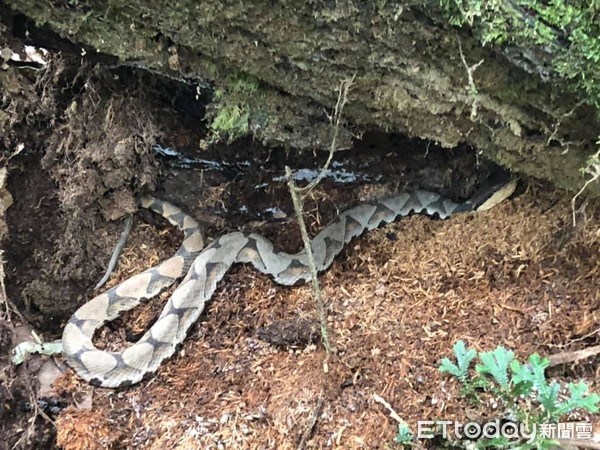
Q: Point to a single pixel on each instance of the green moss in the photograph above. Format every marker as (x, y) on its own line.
(561, 39)
(231, 107)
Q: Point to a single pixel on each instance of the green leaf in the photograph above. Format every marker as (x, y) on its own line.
(505, 378)
(404, 435)
(538, 367)
(578, 399)
(463, 356)
(548, 398)
(521, 380)
(496, 364)
(463, 359)
(448, 366)
(534, 372)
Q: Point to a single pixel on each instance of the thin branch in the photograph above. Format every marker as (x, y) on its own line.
(342, 99)
(8, 305)
(574, 356)
(578, 443)
(299, 194)
(393, 414)
(298, 201)
(37, 411)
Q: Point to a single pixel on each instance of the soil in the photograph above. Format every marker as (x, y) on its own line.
(252, 372)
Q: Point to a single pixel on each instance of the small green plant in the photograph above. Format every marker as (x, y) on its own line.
(232, 108)
(463, 358)
(404, 436)
(521, 389)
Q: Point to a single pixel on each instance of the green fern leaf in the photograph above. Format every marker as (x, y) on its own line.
(495, 363)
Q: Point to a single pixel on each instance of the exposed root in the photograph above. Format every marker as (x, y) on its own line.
(592, 169)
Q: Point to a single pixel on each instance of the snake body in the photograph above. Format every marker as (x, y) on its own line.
(203, 269)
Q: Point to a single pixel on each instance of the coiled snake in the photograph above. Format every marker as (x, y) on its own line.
(203, 269)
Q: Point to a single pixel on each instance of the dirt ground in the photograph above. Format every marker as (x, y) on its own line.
(78, 141)
(397, 300)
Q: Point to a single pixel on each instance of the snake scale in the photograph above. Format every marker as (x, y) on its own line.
(202, 268)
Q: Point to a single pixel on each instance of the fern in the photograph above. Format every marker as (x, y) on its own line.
(578, 400)
(463, 359)
(404, 436)
(496, 364)
(501, 375)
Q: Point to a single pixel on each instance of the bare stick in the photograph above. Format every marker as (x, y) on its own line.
(3, 297)
(8, 305)
(342, 99)
(37, 411)
(578, 443)
(393, 414)
(298, 201)
(299, 194)
(575, 356)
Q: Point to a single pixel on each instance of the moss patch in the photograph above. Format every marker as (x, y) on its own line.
(231, 107)
(559, 39)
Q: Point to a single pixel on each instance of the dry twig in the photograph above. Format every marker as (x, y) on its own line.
(569, 357)
(299, 194)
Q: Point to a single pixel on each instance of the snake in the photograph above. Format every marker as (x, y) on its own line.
(202, 267)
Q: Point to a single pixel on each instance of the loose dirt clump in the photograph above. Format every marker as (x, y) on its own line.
(97, 157)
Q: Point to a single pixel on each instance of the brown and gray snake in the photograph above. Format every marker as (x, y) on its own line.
(203, 268)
